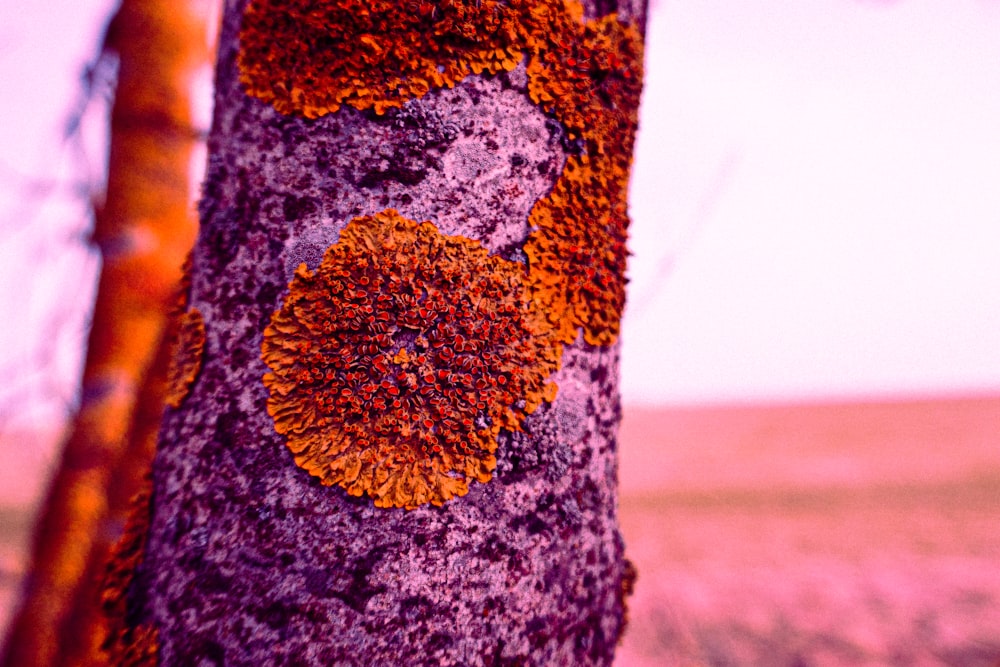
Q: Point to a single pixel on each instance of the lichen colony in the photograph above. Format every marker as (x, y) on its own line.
(380, 382)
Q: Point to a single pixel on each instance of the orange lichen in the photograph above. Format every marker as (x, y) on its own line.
(310, 57)
(394, 365)
(128, 644)
(185, 363)
(626, 588)
(577, 251)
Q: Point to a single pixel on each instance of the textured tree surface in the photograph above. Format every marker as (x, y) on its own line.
(252, 560)
(142, 231)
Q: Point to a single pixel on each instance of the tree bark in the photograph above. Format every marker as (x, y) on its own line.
(252, 560)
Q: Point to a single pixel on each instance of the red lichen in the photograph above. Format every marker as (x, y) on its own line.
(394, 365)
(127, 643)
(310, 57)
(185, 362)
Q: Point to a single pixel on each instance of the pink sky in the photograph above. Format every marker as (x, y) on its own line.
(816, 202)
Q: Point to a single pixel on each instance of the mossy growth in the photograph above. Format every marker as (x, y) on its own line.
(394, 365)
(309, 58)
(186, 359)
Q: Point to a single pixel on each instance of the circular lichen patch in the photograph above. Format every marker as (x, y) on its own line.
(394, 365)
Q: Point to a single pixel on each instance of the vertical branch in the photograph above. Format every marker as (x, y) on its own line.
(85, 630)
(143, 230)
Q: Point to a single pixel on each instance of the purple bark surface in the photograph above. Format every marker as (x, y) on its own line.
(249, 559)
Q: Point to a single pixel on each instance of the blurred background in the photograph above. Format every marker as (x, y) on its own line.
(810, 456)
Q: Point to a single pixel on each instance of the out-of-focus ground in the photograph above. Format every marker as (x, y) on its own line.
(26, 457)
(779, 536)
(794, 536)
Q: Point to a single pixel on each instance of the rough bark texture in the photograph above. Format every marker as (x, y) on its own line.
(142, 231)
(252, 561)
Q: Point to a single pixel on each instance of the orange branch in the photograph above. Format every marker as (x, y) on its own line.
(143, 231)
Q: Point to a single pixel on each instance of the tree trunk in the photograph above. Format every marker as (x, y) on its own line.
(400, 445)
(143, 230)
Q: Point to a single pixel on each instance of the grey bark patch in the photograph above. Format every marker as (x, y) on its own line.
(309, 247)
(473, 160)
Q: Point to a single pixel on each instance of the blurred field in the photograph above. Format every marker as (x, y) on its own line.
(778, 536)
(25, 457)
(793, 536)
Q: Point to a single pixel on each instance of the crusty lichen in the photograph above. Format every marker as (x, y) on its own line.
(626, 588)
(309, 58)
(577, 251)
(394, 365)
(128, 644)
(185, 362)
